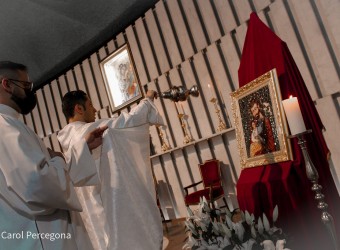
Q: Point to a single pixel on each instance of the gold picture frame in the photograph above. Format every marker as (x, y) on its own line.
(260, 124)
(120, 77)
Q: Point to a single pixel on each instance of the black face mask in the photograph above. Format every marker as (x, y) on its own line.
(26, 104)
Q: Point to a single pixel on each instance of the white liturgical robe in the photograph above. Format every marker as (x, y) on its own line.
(36, 191)
(121, 213)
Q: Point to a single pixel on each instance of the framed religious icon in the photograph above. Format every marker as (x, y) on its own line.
(260, 123)
(120, 77)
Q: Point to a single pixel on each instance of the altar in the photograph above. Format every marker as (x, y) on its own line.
(285, 183)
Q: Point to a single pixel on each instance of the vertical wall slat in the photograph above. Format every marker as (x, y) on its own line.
(225, 14)
(261, 4)
(316, 47)
(102, 53)
(285, 31)
(230, 56)
(70, 80)
(63, 85)
(146, 49)
(99, 81)
(51, 108)
(164, 189)
(93, 94)
(167, 33)
(240, 34)
(120, 40)
(182, 177)
(136, 54)
(176, 188)
(329, 15)
(58, 103)
(157, 42)
(43, 113)
(243, 9)
(79, 78)
(181, 30)
(209, 19)
(204, 150)
(195, 25)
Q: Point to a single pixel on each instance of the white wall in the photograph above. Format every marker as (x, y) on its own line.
(187, 42)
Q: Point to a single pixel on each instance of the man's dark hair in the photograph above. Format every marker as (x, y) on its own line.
(9, 69)
(70, 100)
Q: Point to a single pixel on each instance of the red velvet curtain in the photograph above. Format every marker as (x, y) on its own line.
(285, 184)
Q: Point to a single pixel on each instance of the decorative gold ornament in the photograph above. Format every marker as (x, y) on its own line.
(187, 137)
(221, 125)
(165, 146)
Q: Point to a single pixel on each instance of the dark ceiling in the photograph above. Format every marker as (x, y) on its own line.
(50, 36)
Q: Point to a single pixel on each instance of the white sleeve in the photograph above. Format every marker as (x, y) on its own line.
(31, 182)
(81, 165)
(144, 112)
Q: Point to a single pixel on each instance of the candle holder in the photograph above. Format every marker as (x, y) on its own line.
(313, 176)
(187, 137)
(221, 125)
(165, 146)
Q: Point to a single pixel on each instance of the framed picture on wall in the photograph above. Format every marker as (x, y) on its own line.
(260, 123)
(120, 77)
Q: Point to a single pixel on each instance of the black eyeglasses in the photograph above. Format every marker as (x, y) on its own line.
(27, 85)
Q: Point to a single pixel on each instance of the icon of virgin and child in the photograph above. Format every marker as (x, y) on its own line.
(127, 82)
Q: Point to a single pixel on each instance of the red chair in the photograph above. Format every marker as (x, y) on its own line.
(211, 178)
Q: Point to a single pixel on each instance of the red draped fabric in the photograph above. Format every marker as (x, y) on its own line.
(285, 184)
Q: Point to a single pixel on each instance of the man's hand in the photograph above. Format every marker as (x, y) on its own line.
(54, 153)
(151, 94)
(95, 137)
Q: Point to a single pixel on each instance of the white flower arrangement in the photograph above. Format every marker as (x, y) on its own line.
(212, 228)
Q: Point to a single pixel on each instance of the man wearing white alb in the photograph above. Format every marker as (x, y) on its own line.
(124, 204)
(36, 184)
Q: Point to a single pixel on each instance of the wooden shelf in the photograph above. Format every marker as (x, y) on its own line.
(193, 142)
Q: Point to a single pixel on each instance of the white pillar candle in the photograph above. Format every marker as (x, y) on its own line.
(294, 116)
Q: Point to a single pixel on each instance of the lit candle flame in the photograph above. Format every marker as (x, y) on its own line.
(210, 90)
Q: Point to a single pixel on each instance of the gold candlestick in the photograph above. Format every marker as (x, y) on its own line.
(187, 137)
(165, 146)
(221, 125)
